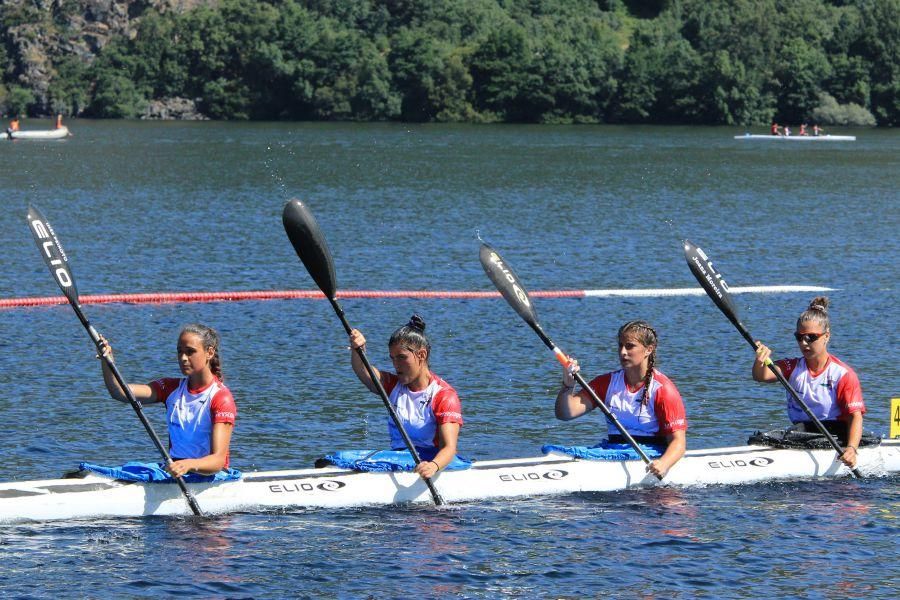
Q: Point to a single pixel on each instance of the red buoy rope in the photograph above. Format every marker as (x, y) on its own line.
(177, 297)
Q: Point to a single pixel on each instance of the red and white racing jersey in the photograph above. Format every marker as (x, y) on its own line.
(191, 415)
(662, 415)
(421, 412)
(832, 393)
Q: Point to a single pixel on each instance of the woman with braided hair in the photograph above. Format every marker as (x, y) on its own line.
(641, 397)
(428, 406)
(828, 386)
(200, 410)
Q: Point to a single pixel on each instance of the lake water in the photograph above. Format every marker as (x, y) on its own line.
(151, 207)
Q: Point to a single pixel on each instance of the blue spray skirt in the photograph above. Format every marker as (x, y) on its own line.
(605, 451)
(388, 460)
(154, 473)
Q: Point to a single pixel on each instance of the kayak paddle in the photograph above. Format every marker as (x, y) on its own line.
(57, 261)
(716, 288)
(508, 284)
(309, 243)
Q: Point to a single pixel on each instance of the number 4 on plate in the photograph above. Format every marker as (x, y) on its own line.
(895, 417)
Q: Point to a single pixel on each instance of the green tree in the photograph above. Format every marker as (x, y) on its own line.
(505, 79)
(879, 44)
(351, 79)
(658, 83)
(68, 90)
(18, 100)
(800, 71)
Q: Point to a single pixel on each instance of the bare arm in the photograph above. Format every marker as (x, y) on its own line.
(761, 371)
(569, 404)
(141, 392)
(448, 436)
(357, 342)
(854, 435)
(211, 463)
(677, 445)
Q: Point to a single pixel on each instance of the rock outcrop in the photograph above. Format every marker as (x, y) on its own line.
(42, 29)
(169, 109)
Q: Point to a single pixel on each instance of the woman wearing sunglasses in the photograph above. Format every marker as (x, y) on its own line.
(828, 386)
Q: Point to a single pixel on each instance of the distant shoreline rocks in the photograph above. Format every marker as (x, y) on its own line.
(173, 109)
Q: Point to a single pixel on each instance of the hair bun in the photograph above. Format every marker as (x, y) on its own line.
(819, 303)
(417, 322)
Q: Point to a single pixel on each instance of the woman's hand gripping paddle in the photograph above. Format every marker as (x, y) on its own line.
(508, 284)
(307, 239)
(53, 254)
(716, 288)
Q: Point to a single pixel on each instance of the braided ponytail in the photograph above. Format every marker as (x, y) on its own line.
(210, 339)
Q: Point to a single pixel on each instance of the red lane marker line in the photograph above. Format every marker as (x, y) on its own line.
(174, 297)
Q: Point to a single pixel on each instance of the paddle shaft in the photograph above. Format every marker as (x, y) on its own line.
(509, 286)
(309, 243)
(387, 403)
(564, 360)
(136, 405)
(55, 259)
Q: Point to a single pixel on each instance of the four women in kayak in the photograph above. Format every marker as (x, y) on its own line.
(201, 411)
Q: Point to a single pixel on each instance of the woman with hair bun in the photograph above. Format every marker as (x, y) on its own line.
(828, 386)
(428, 406)
(641, 397)
(200, 410)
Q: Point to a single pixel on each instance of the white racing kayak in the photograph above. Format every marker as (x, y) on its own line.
(40, 134)
(95, 496)
(798, 138)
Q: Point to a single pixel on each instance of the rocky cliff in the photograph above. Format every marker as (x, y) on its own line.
(39, 29)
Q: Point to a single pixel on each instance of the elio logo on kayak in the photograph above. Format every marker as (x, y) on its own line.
(759, 461)
(553, 474)
(520, 293)
(325, 486)
(45, 232)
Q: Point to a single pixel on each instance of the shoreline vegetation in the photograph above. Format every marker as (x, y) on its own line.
(742, 62)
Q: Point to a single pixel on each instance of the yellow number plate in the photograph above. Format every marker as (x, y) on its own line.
(895, 417)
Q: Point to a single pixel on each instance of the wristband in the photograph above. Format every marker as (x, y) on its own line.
(435, 464)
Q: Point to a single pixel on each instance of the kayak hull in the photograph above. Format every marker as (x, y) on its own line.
(798, 138)
(40, 134)
(94, 496)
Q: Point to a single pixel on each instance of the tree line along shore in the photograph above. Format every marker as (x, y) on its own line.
(739, 62)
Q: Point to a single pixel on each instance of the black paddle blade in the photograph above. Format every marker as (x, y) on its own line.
(52, 253)
(710, 279)
(507, 282)
(308, 241)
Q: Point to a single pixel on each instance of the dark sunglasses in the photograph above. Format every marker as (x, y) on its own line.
(807, 338)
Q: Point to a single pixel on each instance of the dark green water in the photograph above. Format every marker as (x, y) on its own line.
(150, 207)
